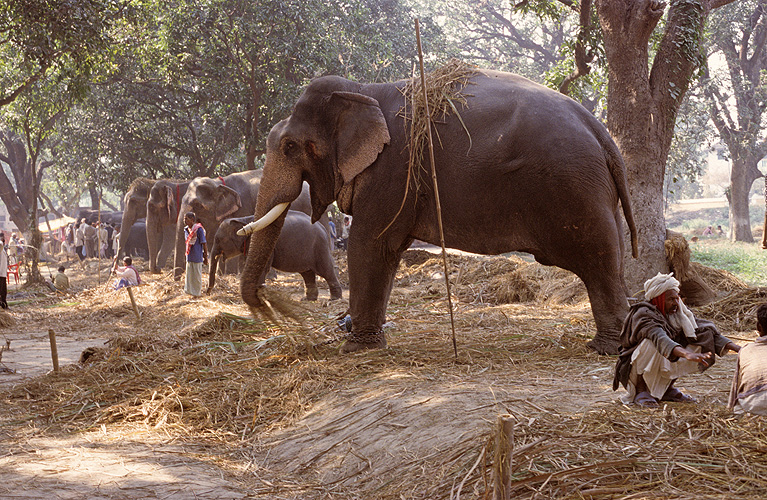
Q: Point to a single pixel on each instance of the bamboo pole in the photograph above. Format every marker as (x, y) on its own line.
(133, 302)
(54, 349)
(434, 180)
(502, 457)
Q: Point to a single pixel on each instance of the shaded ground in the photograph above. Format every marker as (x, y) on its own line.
(195, 400)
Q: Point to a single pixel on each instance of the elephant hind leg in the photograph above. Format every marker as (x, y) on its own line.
(310, 281)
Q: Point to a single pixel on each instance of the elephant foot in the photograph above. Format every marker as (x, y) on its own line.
(361, 341)
(336, 294)
(604, 347)
(312, 293)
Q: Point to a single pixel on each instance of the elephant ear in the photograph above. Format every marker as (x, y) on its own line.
(361, 132)
(227, 201)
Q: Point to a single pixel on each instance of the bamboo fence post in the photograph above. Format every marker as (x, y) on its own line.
(133, 302)
(54, 349)
(502, 457)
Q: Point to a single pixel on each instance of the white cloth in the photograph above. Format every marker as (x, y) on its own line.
(659, 284)
(127, 273)
(657, 371)
(755, 404)
(3, 262)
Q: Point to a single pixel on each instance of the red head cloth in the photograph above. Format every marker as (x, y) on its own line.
(660, 302)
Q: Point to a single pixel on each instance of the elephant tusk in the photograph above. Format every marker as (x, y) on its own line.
(258, 225)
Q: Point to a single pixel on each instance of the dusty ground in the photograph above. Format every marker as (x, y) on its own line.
(195, 401)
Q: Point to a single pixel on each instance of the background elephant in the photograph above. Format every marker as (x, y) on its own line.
(135, 240)
(162, 209)
(301, 248)
(135, 208)
(214, 199)
(524, 168)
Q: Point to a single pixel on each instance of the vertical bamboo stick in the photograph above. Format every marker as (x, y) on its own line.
(502, 458)
(54, 349)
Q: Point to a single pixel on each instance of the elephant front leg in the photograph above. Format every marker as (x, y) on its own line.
(371, 276)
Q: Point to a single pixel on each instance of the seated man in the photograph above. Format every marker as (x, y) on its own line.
(661, 340)
(127, 275)
(749, 385)
(61, 281)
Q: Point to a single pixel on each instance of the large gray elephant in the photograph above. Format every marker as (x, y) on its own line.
(215, 199)
(523, 168)
(301, 248)
(135, 209)
(162, 209)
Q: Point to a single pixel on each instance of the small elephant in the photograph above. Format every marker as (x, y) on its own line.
(301, 248)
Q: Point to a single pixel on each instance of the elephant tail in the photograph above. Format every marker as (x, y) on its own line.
(618, 172)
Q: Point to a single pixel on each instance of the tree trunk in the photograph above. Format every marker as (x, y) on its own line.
(94, 196)
(251, 129)
(764, 227)
(742, 177)
(642, 104)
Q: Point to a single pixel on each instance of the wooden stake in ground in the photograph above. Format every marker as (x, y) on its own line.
(133, 302)
(54, 349)
(434, 180)
(504, 448)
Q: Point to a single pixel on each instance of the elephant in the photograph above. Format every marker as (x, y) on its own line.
(135, 208)
(135, 240)
(215, 199)
(162, 209)
(301, 248)
(519, 167)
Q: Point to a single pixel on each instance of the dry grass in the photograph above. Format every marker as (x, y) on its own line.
(202, 370)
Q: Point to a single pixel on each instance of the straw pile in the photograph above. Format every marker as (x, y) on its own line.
(496, 280)
(443, 91)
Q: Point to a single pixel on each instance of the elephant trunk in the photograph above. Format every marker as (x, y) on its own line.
(129, 218)
(215, 253)
(179, 259)
(259, 257)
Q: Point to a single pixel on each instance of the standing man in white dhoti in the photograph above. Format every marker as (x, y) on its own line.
(661, 340)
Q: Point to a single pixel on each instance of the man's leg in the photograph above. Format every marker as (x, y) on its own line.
(643, 396)
(3, 292)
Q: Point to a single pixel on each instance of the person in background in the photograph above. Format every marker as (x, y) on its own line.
(115, 240)
(61, 281)
(127, 275)
(748, 393)
(196, 254)
(662, 340)
(3, 273)
(80, 240)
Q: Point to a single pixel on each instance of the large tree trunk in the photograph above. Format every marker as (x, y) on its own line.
(742, 177)
(641, 108)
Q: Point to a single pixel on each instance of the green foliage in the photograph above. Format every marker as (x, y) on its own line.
(746, 260)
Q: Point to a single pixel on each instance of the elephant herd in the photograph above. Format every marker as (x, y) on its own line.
(223, 205)
(518, 167)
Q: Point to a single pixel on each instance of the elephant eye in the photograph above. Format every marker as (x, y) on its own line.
(289, 147)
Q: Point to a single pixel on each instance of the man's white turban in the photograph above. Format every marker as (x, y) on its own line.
(660, 284)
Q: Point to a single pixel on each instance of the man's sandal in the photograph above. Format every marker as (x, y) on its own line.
(645, 400)
(674, 395)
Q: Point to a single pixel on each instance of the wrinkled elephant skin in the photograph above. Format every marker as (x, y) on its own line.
(301, 248)
(524, 168)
